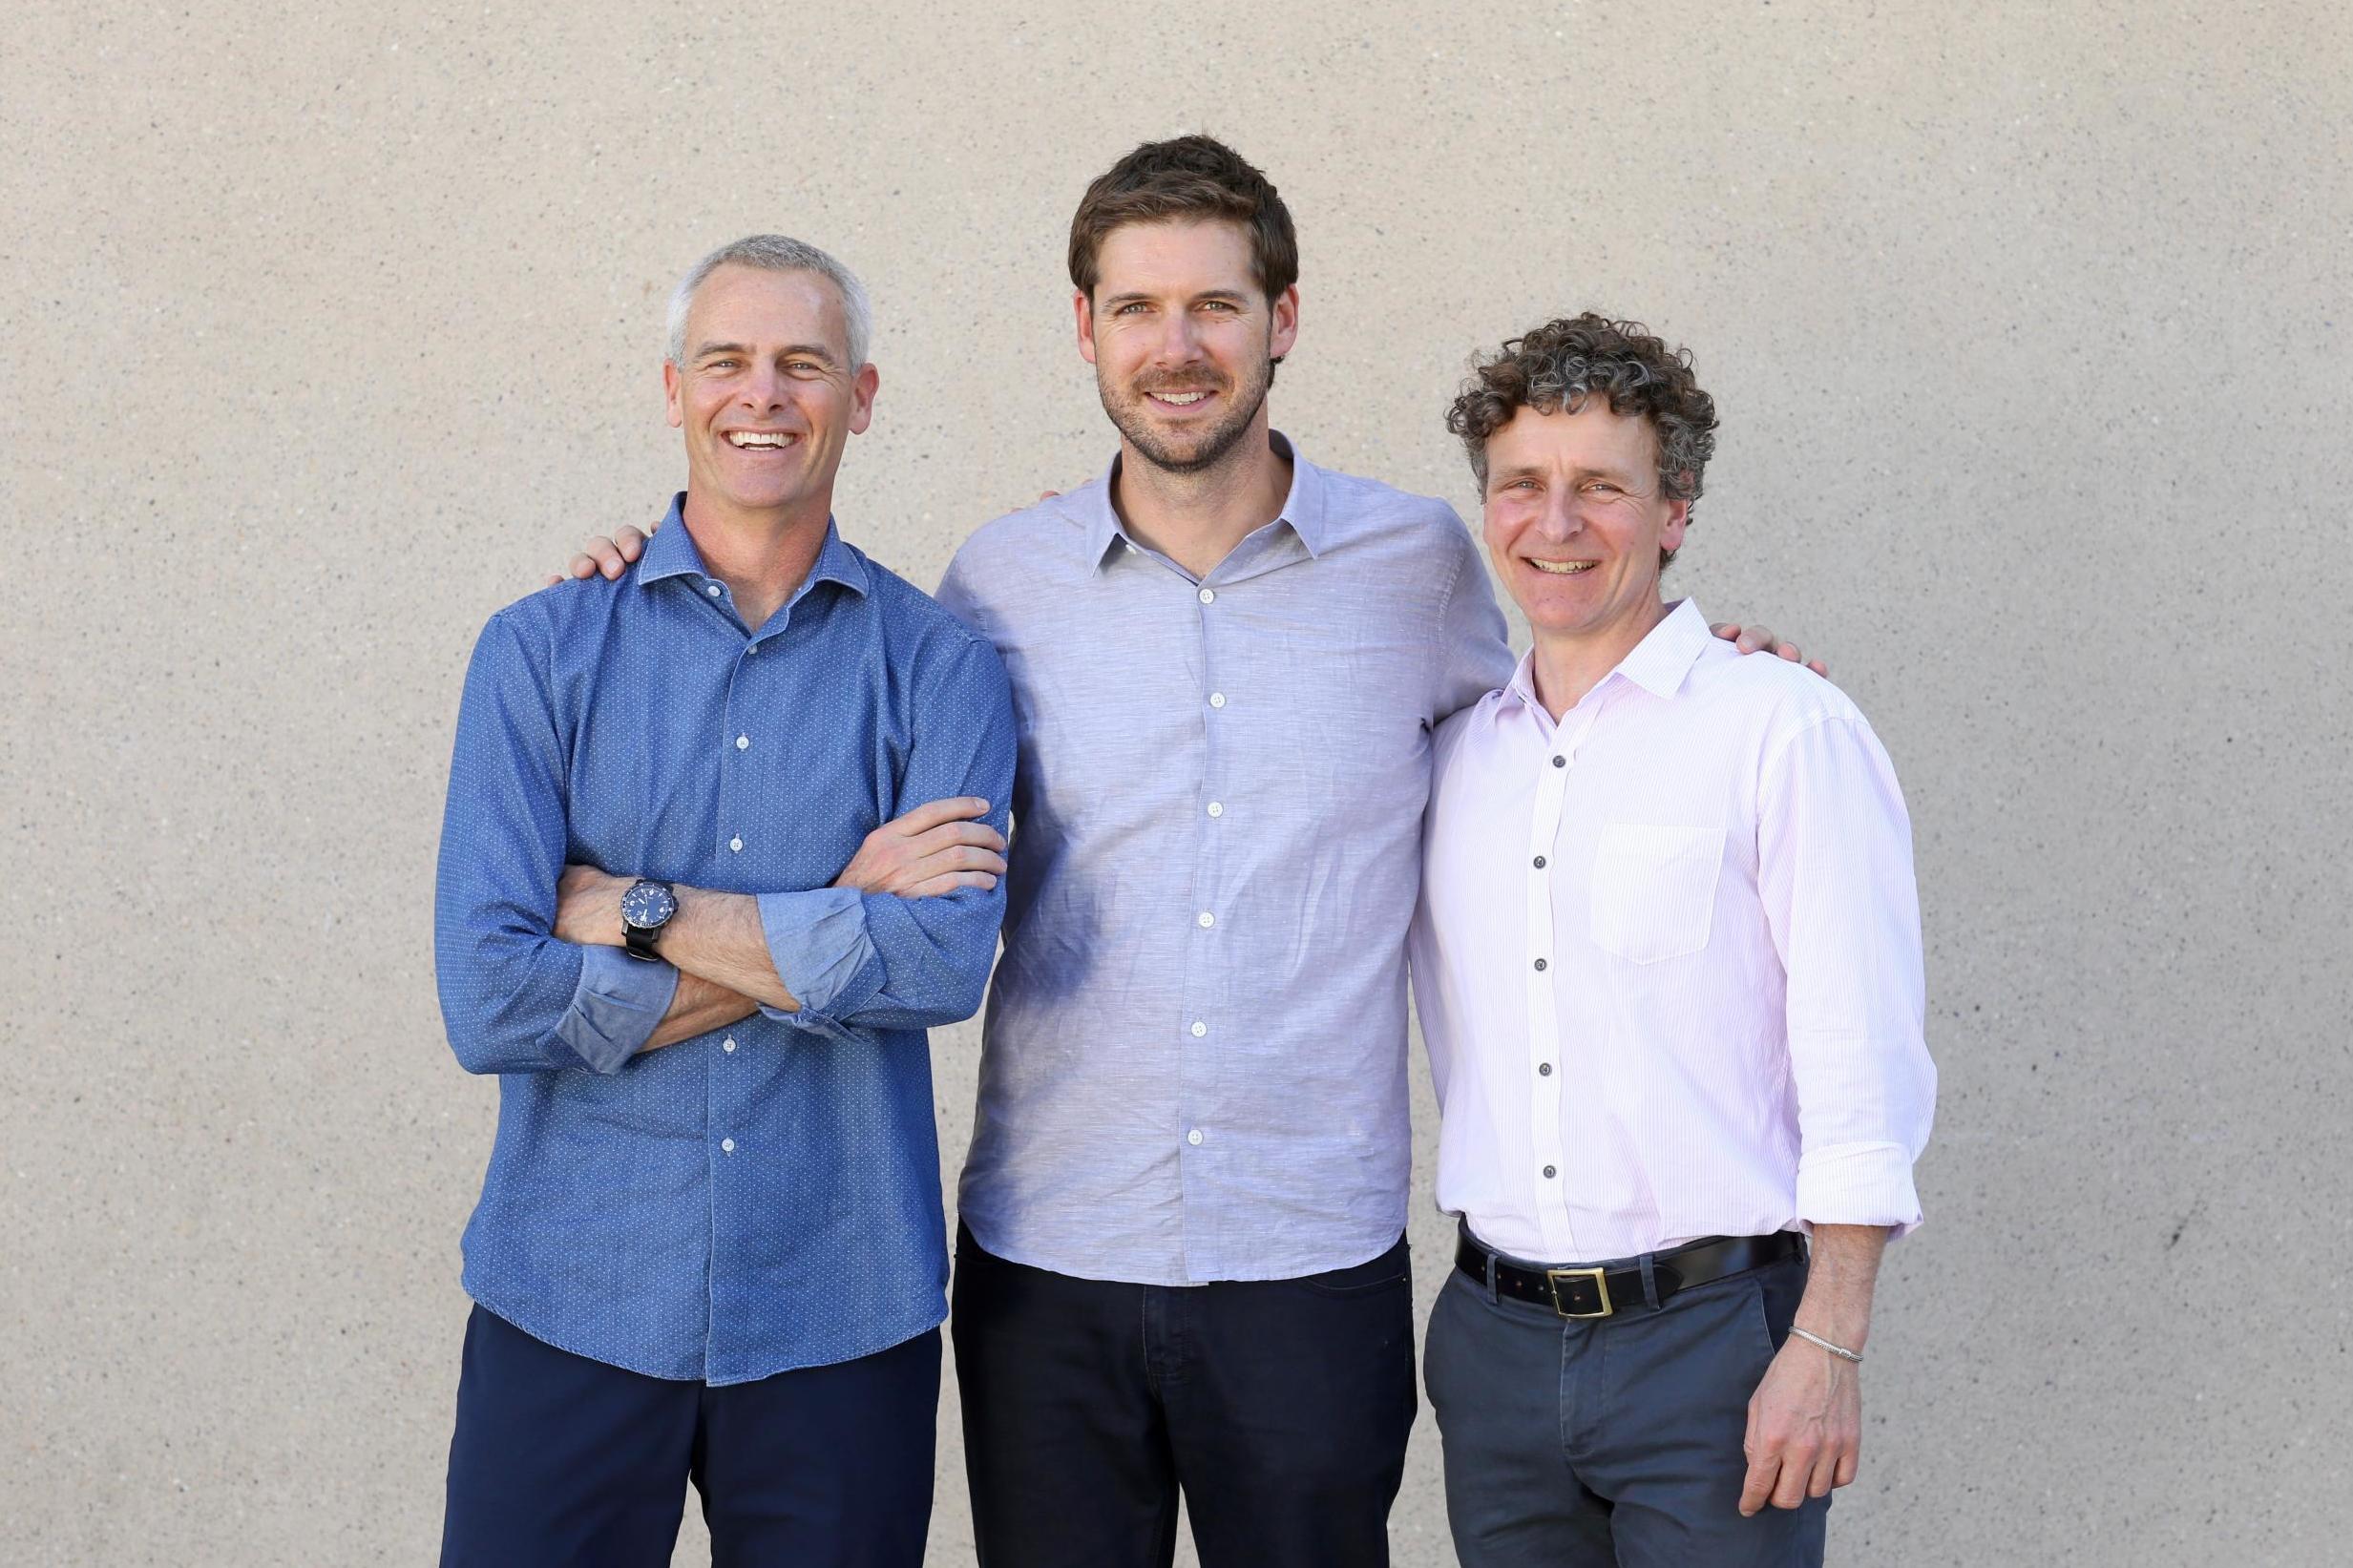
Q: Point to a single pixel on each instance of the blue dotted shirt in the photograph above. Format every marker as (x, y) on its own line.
(766, 1195)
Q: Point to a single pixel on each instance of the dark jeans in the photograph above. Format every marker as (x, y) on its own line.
(1281, 1408)
(563, 1461)
(1612, 1442)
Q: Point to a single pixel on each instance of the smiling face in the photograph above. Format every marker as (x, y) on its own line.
(1182, 339)
(764, 392)
(1575, 520)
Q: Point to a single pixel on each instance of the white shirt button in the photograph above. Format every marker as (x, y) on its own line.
(737, 844)
(1194, 1137)
(727, 1045)
(741, 742)
(1200, 1029)
(1208, 596)
(712, 589)
(1208, 920)
(1217, 808)
(1217, 700)
(727, 1145)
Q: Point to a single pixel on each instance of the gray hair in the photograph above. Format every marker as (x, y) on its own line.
(775, 253)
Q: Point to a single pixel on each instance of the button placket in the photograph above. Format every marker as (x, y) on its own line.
(1544, 1018)
(1200, 983)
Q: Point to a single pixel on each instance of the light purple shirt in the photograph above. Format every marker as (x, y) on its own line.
(1194, 1058)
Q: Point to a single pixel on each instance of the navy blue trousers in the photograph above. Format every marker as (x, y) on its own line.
(1279, 1408)
(559, 1459)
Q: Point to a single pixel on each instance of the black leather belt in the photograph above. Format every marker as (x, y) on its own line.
(1602, 1292)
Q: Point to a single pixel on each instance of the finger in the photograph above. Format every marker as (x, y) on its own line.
(977, 834)
(581, 566)
(958, 857)
(1818, 668)
(1849, 1462)
(1748, 643)
(1764, 1469)
(554, 581)
(1048, 494)
(951, 882)
(1796, 1469)
(1825, 1473)
(609, 559)
(1726, 629)
(1788, 651)
(933, 814)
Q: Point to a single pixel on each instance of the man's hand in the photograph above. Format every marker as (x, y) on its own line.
(932, 850)
(1749, 640)
(1805, 1428)
(1805, 1419)
(588, 907)
(610, 557)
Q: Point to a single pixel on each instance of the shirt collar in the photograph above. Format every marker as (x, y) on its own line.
(1657, 663)
(1661, 660)
(1303, 508)
(671, 552)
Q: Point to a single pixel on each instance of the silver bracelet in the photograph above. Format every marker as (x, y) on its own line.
(1838, 1351)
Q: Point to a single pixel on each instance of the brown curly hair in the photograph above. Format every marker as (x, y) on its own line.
(1561, 364)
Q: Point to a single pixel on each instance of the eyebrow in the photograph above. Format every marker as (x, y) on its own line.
(1582, 471)
(808, 351)
(1234, 295)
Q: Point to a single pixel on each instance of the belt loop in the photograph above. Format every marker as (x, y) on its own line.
(1491, 1267)
(1649, 1282)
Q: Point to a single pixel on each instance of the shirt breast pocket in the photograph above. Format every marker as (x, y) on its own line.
(1653, 891)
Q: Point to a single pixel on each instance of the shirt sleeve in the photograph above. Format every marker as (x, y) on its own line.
(877, 961)
(1834, 872)
(1474, 648)
(514, 998)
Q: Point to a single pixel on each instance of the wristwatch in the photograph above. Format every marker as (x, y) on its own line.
(645, 909)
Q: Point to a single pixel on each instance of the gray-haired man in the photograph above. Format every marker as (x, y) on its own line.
(710, 1242)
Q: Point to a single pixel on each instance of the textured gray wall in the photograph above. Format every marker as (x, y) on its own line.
(329, 327)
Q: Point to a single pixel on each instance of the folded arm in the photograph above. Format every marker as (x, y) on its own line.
(515, 996)
(905, 936)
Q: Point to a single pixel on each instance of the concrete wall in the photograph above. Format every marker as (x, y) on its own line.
(330, 328)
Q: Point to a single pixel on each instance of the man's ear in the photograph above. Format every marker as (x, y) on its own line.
(1285, 328)
(672, 385)
(862, 390)
(1678, 518)
(1083, 314)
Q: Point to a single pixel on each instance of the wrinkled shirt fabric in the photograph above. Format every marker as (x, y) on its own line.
(1668, 960)
(1194, 1055)
(766, 1195)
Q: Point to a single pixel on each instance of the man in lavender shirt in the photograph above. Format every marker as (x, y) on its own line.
(1183, 1264)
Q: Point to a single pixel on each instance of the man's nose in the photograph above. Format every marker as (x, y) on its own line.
(1179, 342)
(1561, 516)
(764, 388)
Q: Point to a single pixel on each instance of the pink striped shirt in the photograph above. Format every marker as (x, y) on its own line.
(1668, 960)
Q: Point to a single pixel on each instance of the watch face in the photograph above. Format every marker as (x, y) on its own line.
(647, 905)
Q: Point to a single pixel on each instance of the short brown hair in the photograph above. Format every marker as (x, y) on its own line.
(1191, 178)
(1563, 361)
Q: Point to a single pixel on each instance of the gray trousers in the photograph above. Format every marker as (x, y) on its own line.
(1613, 1441)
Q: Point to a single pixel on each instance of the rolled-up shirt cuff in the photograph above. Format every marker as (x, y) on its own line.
(616, 1006)
(1858, 1184)
(819, 943)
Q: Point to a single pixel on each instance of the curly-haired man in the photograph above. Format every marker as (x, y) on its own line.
(1667, 963)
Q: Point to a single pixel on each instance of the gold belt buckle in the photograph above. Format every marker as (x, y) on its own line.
(1601, 1283)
